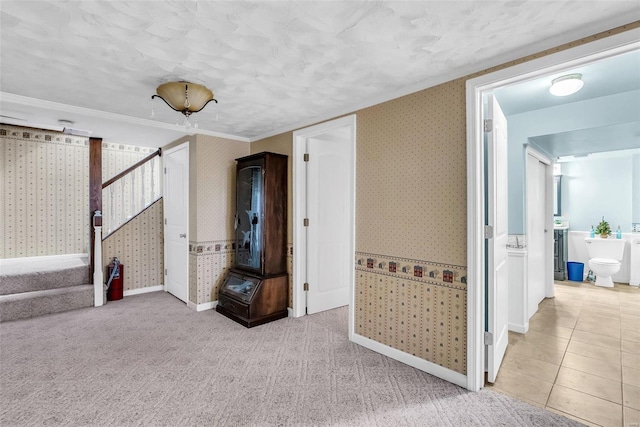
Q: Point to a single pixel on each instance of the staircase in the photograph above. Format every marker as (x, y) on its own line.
(29, 289)
(36, 286)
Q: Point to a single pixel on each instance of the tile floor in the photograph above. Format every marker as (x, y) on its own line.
(581, 356)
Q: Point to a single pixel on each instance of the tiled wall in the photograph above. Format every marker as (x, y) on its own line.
(139, 246)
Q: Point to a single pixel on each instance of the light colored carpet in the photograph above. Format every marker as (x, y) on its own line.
(41, 264)
(149, 360)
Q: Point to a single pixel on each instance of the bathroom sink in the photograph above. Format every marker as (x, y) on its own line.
(560, 224)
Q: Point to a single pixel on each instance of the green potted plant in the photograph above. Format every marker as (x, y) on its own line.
(603, 229)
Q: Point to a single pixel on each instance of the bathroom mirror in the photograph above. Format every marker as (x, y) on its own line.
(557, 192)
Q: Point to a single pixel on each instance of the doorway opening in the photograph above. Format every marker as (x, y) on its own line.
(477, 175)
(324, 216)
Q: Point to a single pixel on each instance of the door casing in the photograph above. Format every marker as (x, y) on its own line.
(185, 256)
(496, 249)
(562, 61)
(547, 249)
(299, 200)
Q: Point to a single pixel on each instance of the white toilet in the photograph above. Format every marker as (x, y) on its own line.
(605, 256)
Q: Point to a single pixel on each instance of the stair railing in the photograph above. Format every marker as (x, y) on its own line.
(98, 277)
(130, 192)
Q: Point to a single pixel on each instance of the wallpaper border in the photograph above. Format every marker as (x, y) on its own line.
(211, 247)
(451, 276)
(19, 133)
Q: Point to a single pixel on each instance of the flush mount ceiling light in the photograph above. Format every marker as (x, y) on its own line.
(184, 97)
(566, 85)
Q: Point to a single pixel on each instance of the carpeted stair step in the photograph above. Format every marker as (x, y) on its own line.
(43, 280)
(36, 303)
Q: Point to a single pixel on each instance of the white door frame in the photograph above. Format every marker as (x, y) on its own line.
(548, 214)
(299, 189)
(184, 145)
(557, 62)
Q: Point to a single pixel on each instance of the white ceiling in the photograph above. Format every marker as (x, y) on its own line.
(273, 66)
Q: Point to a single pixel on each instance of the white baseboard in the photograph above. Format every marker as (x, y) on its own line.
(411, 360)
(289, 312)
(202, 307)
(143, 290)
(521, 329)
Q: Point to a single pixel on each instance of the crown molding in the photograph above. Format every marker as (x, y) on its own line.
(89, 112)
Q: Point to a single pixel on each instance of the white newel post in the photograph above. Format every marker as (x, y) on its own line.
(98, 278)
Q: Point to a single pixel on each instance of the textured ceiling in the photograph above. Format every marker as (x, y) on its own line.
(273, 66)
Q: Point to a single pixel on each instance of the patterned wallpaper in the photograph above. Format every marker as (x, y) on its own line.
(414, 306)
(44, 199)
(45, 193)
(418, 317)
(139, 245)
(411, 176)
(411, 206)
(211, 210)
(216, 177)
(118, 157)
(209, 263)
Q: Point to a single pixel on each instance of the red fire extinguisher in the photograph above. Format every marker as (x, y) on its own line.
(115, 272)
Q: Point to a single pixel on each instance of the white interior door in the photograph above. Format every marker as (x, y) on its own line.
(497, 268)
(536, 238)
(329, 233)
(176, 214)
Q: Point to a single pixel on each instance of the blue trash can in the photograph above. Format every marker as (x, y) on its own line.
(575, 271)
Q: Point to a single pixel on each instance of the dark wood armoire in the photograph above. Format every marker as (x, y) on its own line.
(255, 290)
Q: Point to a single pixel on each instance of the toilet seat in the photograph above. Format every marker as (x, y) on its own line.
(604, 261)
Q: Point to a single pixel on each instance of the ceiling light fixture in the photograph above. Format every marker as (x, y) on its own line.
(566, 85)
(184, 97)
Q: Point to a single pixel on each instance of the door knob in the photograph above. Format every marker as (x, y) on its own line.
(183, 235)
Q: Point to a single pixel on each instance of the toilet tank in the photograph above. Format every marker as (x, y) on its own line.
(598, 247)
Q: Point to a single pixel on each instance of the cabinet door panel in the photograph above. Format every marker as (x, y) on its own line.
(249, 217)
